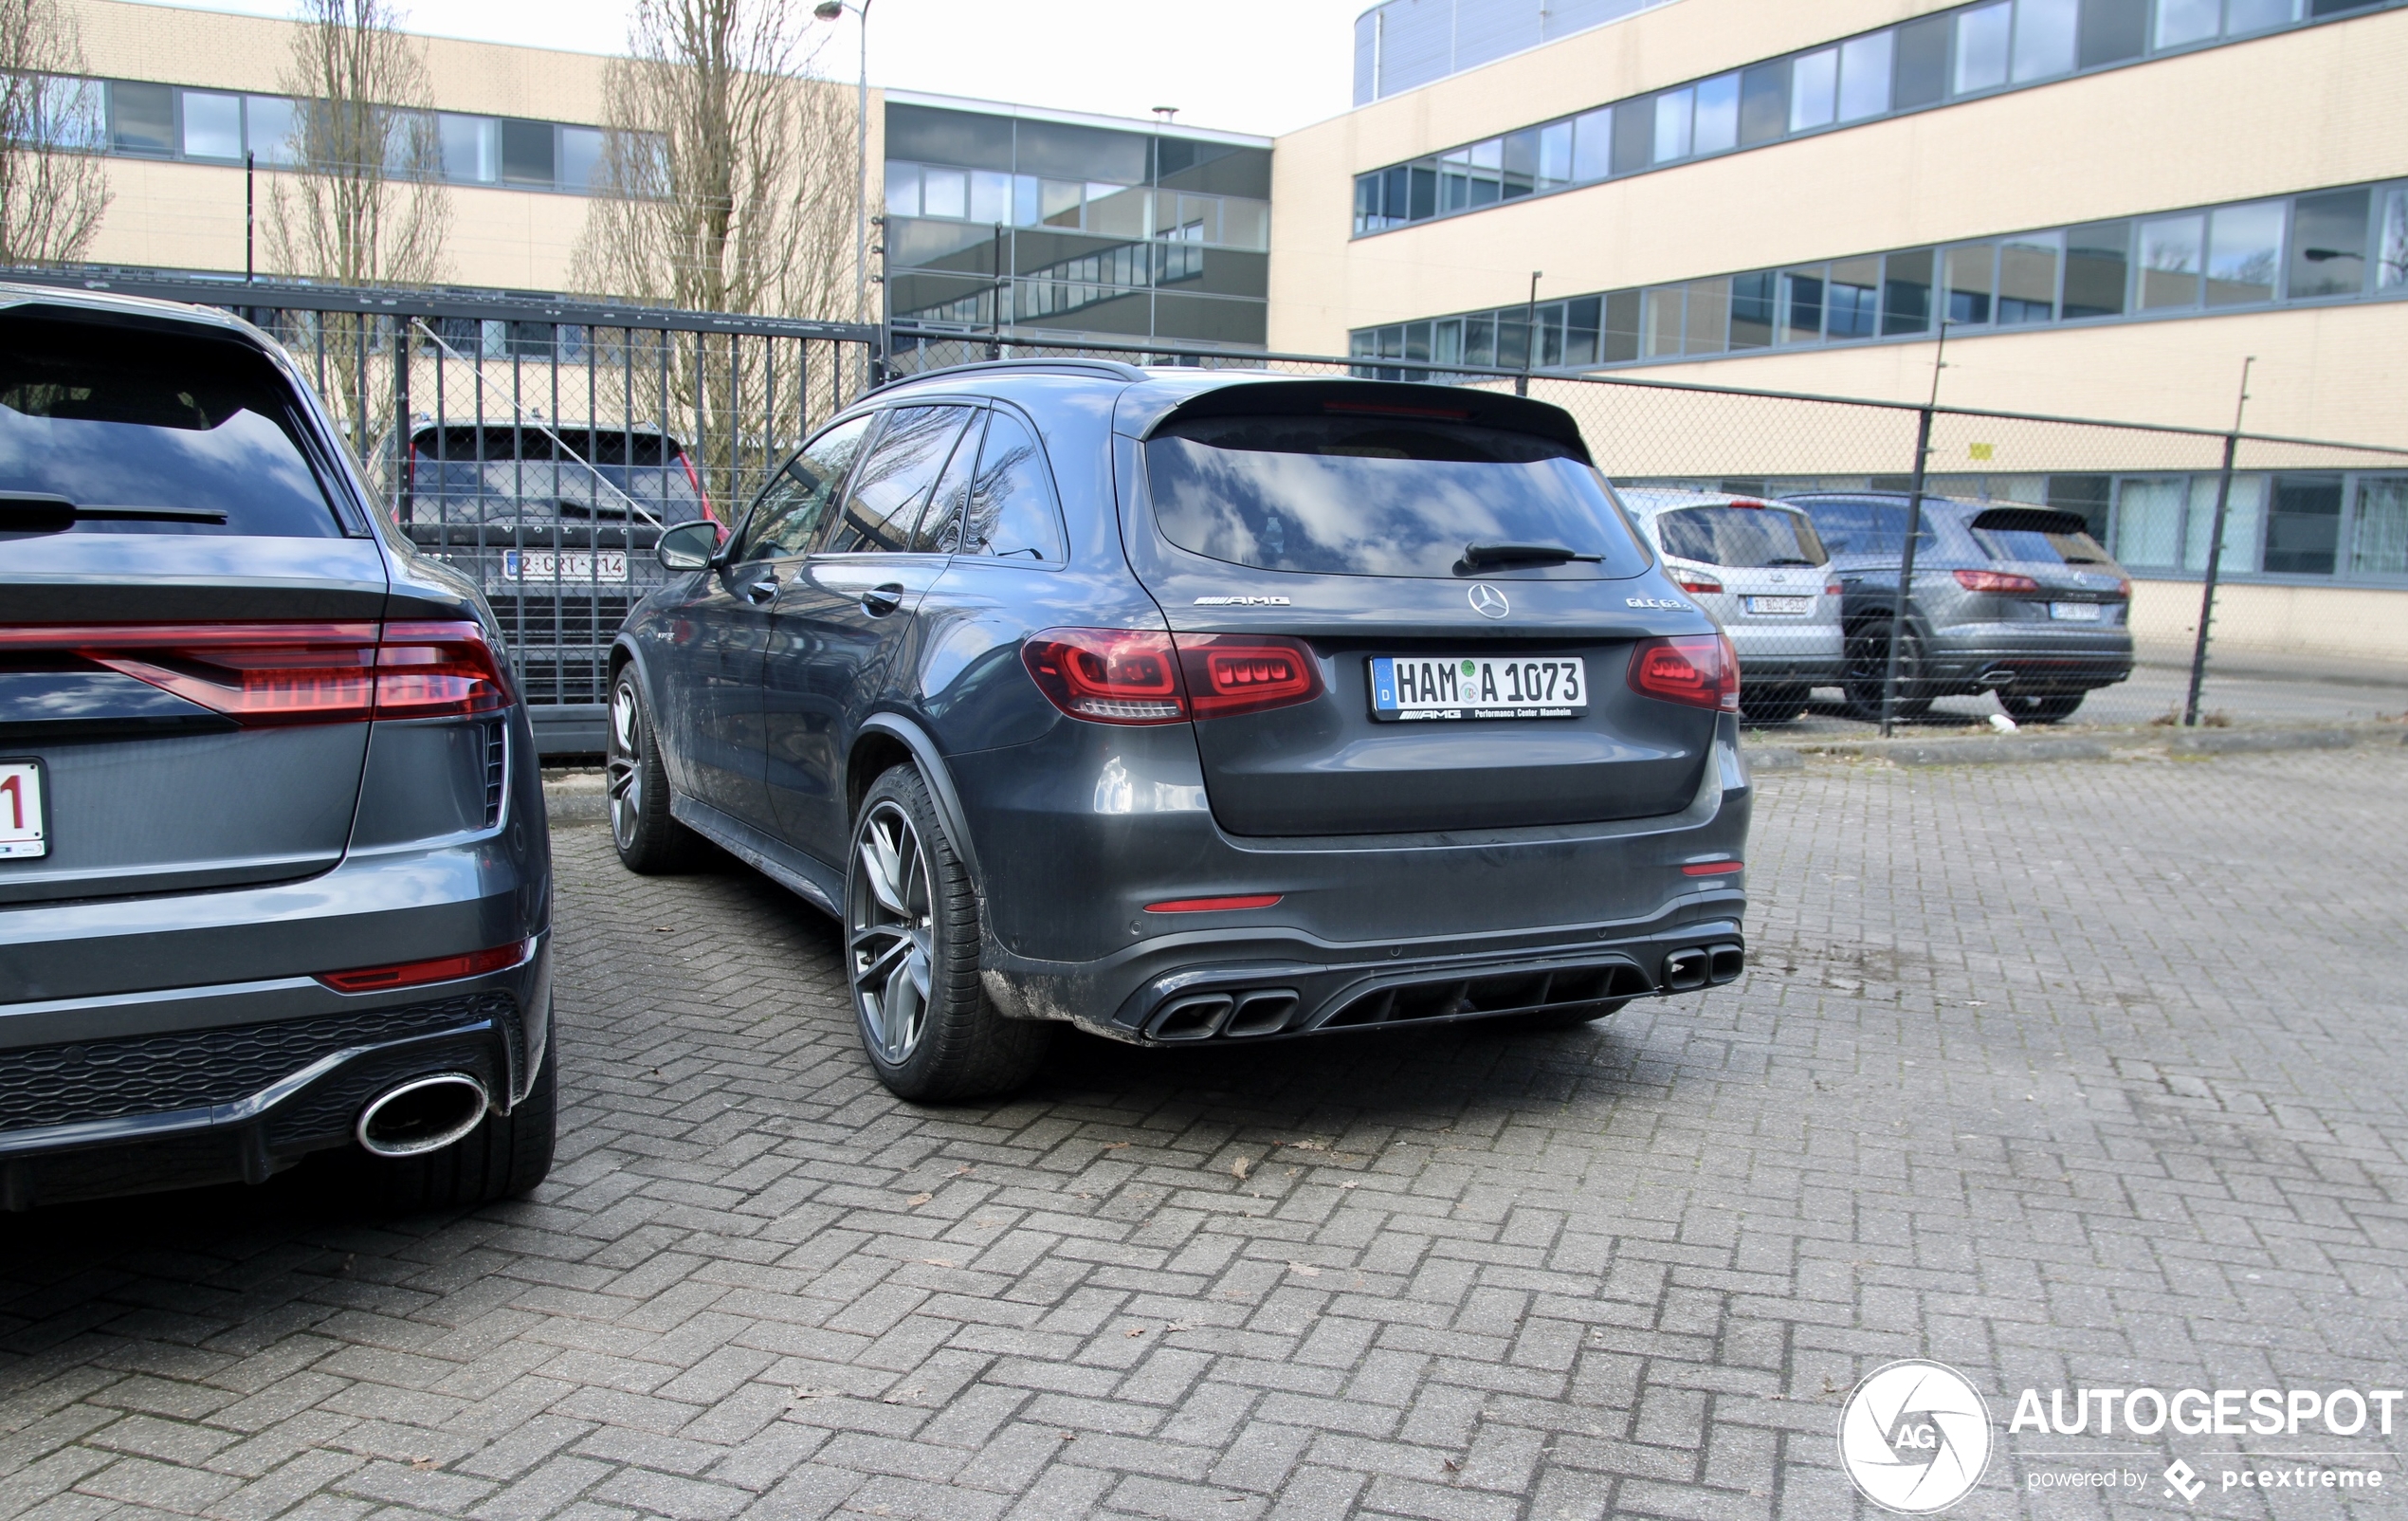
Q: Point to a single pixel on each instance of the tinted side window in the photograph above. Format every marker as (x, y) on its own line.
(1013, 512)
(882, 509)
(1865, 527)
(939, 530)
(790, 514)
(145, 433)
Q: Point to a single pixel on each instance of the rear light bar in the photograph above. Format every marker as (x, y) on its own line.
(1694, 581)
(1137, 676)
(270, 673)
(1982, 580)
(434, 969)
(1207, 905)
(1695, 669)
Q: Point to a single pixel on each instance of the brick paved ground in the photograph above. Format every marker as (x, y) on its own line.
(2075, 1072)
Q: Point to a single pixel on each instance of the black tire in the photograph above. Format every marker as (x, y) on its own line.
(648, 840)
(911, 957)
(1571, 1018)
(1771, 705)
(2031, 707)
(505, 1157)
(1867, 670)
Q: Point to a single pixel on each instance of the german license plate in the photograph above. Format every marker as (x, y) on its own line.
(1780, 604)
(23, 821)
(555, 565)
(1465, 687)
(2077, 611)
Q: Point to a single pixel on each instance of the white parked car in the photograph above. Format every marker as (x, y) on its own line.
(1758, 569)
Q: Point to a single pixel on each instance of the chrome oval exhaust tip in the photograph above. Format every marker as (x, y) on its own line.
(422, 1115)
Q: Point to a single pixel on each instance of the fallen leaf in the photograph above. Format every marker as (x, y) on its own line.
(660, 929)
(422, 1464)
(963, 1171)
(1453, 1467)
(1070, 1435)
(800, 1393)
(917, 1199)
(1114, 1145)
(1303, 1269)
(988, 1225)
(1239, 1168)
(1347, 1184)
(1133, 1330)
(1177, 1326)
(937, 1262)
(1293, 1171)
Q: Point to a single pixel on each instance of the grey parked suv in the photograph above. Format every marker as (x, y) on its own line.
(274, 876)
(2017, 600)
(1194, 708)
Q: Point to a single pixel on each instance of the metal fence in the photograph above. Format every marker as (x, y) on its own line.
(540, 443)
(2245, 578)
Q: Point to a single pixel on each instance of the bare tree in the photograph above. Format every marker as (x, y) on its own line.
(53, 187)
(726, 179)
(363, 201)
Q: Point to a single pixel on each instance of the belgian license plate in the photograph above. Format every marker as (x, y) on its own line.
(553, 565)
(23, 822)
(1466, 687)
(1780, 604)
(2077, 611)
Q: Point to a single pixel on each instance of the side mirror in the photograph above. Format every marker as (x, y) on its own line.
(690, 546)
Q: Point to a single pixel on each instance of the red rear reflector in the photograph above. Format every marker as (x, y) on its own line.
(1982, 580)
(434, 969)
(264, 673)
(1712, 869)
(1231, 673)
(1694, 581)
(1697, 670)
(1206, 905)
(1107, 675)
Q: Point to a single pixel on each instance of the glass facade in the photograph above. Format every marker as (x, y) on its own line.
(2345, 243)
(1408, 43)
(1932, 61)
(1014, 223)
(139, 120)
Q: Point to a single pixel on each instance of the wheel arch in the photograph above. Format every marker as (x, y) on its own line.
(887, 739)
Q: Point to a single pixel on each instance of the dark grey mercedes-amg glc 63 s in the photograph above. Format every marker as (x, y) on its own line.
(1193, 706)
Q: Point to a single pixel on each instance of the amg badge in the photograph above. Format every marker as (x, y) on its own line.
(1241, 601)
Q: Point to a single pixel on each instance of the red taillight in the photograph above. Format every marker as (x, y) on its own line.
(266, 673)
(1697, 670)
(1207, 905)
(1712, 869)
(1231, 673)
(2123, 588)
(434, 969)
(1832, 589)
(1694, 581)
(1981, 580)
(688, 460)
(1107, 675)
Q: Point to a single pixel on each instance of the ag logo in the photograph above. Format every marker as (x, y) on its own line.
(1914, 1437)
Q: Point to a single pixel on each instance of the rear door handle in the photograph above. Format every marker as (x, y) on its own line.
(879, 600)
(762, 589)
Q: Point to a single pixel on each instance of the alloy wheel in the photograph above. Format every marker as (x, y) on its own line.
(891, 929)
(624, 766)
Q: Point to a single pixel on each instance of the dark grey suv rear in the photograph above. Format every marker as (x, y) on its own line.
(1195, 708)
(274, 875)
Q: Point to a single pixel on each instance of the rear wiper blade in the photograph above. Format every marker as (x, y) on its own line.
(1770, 563)
(43, 512)
(1476, 556)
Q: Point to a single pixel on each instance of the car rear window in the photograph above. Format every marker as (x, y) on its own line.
(1865, 528)
(2036, 534)
(1742, 538)
(1375, 495)
(500, 472)
(153, 433)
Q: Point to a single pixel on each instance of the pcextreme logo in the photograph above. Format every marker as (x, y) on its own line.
(1914, 1437)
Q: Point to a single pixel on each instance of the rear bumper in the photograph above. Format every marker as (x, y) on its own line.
(1800, 653)
(2027, 657)
(284, 1075)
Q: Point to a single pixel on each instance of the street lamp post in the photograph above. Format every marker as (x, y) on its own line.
(834, 11)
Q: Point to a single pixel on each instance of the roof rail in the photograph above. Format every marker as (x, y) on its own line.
(1108, 368)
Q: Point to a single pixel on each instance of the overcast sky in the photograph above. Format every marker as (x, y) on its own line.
(1244, 66)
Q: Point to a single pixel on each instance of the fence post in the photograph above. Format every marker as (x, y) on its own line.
(401, 415)
(2207, 588)
(1906, 570)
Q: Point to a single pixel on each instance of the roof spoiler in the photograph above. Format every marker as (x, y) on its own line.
(2030, 520)
(1403, 400)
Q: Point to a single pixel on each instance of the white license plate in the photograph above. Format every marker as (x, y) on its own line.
(24, 823)
(2078, 611)
(553, 565)
(1463, 686)
(1780, 604)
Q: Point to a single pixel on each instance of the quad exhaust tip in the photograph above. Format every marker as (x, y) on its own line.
(422, 1115)
(1704, 966)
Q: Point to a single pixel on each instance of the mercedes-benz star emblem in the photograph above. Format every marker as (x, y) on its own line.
(1488, 601)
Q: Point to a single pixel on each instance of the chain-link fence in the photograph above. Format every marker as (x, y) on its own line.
(2062, 569)
(540, 443)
